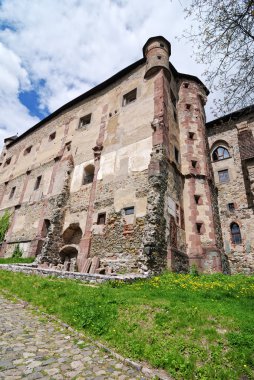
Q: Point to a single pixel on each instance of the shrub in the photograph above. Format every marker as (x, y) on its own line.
(4, 225)
(17, 253)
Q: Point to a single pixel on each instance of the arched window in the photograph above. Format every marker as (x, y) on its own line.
(220, 153)
(235, 233)
(88, 174)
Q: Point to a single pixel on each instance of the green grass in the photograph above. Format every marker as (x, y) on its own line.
(195, 327)
(16, 260)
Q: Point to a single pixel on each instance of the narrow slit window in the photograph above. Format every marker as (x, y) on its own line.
(52, 136)
(12, 192)
(101, 218)
(175, 116)
(177, 155)
(37, 183)
(130, 97)
(85, 121)
(191, 135)
(194, 163)
(199, 227)
(231, 207)
(129, 210)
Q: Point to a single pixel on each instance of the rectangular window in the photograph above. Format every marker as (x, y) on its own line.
(194, 164)
(191, 135)
(52, 136)
(130, 97)
(231, 207)
(197, 199)
(37, 183)
(101, 218)
(85, 120)
(223, 176)
(129, 210)
(187, 106)
(12, 192)
(186, 85)
(199, 227)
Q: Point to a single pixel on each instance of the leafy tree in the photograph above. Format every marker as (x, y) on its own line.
(223, 38)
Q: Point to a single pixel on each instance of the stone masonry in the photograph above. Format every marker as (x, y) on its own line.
(122, 179)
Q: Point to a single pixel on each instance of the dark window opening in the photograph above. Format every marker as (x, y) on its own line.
(52, 136)
(220, 153)
(88, 175)
(161, 45)
(186, 85)
(197, 199)
(173, 98)
(12, 192)
(159, 56)
(68, 146)
(194, 163)
(101, 218)
(175, 116)
(8, 161)
(130, 97)
(129, 210)
(188, 106)
(27, 150)
(37, 183)
(235, 233)
(231, 207)
(191, 135)
(223, 176)
(199, 227)
(85, 120)
(177, 155)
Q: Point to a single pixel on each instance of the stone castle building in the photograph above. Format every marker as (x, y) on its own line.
(128, 178)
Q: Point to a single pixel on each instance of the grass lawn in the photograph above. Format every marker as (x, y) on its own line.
(16, 260)
(195, 327)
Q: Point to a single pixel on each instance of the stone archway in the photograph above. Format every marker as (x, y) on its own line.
(72, 234)
(68, 255)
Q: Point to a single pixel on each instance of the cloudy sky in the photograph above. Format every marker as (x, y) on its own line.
(52, 51)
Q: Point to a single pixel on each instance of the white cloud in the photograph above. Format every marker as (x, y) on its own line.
(73, 45)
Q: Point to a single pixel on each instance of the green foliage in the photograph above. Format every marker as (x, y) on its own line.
(17, 253)
(195, 327)
(194, 270)
(4, 225)
(14, 260)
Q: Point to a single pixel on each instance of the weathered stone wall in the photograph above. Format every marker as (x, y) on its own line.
(237, 190)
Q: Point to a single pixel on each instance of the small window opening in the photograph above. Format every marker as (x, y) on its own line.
(27, 150)
(191, 135)
(12, 192)
(223, 176)
(187, 106)
(68, 146)
(173, 98)
(159, 56)
(129, 210)
(186, 85)
(199, 227)
(194, 163)
(101, 218)
(235, 233)
(130, 97)
(175, 116)
(52, 136)
(88, 175)
(231, 207)
(85, 120)
(177, 155)
(8, 161)
(37, 183)
(110, 114)
(197, 199)
(161, 45)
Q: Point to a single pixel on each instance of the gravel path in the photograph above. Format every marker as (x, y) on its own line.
(32, 347)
